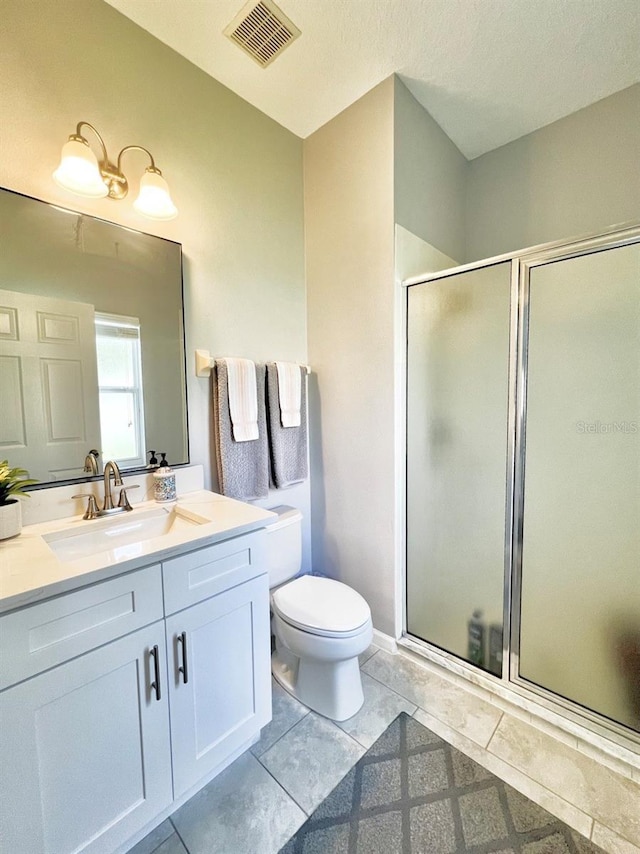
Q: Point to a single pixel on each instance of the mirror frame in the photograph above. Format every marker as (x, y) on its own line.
(139, 470)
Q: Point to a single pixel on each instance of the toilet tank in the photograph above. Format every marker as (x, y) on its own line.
(284, 544)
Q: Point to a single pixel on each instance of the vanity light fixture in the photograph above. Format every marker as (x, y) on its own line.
(81, 172)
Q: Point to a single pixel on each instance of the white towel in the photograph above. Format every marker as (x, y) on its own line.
(289, 393)
(243, 399)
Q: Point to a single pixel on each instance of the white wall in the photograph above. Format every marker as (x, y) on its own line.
(415, 257)
(235, 175)
(383, 160)
(348, 174)
(430, 176)
(576, 176)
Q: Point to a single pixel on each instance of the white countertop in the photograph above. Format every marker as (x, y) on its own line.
(30, 570)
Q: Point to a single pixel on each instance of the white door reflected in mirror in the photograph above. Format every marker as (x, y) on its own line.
(48, 383)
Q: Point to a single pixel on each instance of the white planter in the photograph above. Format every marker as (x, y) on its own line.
(10, 519)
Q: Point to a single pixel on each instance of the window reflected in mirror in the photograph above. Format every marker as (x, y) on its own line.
(120, 393)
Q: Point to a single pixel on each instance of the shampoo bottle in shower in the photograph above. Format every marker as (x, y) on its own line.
(476, 633)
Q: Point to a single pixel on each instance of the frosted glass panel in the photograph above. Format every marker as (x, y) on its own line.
(458, 363)
(118, 419)
(117, 359)
(580, 612)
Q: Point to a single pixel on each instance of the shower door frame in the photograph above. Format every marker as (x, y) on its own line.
(522, 263)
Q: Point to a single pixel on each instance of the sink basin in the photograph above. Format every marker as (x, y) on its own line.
(123, 535)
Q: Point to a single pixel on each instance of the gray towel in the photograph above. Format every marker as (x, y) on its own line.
(243, 467)
(287, 445)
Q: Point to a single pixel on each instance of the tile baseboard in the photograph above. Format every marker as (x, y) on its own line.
(624, 761)
(385, 642)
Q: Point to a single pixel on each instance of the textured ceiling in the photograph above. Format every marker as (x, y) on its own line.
(488, 71)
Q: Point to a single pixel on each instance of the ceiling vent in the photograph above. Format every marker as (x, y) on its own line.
(262, 30)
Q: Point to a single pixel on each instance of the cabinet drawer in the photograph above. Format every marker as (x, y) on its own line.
(46, 634)
(198, 575)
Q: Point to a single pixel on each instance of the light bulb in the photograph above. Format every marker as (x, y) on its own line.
(153, 199)
(79, 172)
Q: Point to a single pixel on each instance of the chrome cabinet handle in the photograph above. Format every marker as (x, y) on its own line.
(182, 640)
(155, 685)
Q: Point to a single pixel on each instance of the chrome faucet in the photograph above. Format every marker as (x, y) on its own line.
(110, 468)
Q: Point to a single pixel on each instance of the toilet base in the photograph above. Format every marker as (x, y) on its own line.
(331, 688)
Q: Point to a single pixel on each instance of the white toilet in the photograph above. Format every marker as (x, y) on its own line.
(320, 625)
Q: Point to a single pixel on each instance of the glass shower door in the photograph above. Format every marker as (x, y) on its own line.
(580, 581)
(457, 413)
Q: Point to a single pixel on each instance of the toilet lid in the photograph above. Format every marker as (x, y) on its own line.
(321, 604)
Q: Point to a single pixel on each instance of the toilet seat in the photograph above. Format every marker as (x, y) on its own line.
(321, 606)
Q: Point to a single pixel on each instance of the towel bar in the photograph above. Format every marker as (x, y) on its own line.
(204, 363)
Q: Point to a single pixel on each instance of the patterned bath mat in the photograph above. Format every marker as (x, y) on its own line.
(412, 793)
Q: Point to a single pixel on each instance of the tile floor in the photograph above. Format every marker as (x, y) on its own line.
(414, 792)
(257, 804)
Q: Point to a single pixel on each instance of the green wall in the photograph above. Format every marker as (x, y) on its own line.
(577, 176)
(235, 174)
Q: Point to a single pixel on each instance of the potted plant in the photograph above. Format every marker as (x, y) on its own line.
(12, 484)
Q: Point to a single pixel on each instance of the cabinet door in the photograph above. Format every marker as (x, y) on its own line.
(223, 697)
(84, 751)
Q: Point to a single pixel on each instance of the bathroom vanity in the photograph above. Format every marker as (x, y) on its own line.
(131, 675)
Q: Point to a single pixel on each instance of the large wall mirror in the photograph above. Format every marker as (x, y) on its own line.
(92, 362)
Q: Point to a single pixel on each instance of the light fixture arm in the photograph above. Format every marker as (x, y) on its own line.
(111, 174)
(115, 177)
(152, 168)
(80, 138)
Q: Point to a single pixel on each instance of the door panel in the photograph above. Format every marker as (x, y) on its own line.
(52, 418)
(13, 433)
(580, 612)
(457, 404)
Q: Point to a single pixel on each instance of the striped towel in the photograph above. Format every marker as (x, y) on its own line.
(289, 393)
(243, 399)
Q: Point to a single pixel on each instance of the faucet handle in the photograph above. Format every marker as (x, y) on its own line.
(92, 508)
(123, 501)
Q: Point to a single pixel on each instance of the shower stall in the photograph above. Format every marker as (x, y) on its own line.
(523, 474)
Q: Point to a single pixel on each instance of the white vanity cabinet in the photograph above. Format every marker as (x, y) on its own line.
(219, 654)
(84, 746)
(219, 684)
(120, 698)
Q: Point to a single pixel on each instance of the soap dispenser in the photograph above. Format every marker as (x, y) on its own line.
(164, 481)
